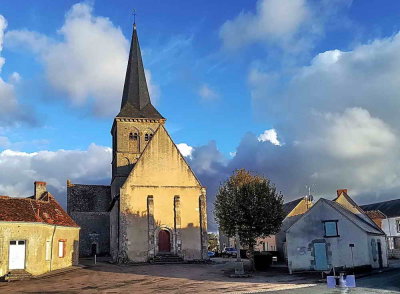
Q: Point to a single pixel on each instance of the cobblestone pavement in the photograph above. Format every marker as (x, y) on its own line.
(176, 278)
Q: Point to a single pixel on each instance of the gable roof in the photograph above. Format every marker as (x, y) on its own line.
(289, 206)
(351, 205)
(45, 210)
(358, 221)
(149, 151)
(390, 208)
(136, 101)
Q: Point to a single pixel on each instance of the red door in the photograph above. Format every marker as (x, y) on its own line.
(164, 244)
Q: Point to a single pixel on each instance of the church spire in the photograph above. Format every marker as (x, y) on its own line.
(136, 101)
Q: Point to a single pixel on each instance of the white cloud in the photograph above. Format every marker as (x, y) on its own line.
(274, 21)
(185, 149)
(269, 136)
(292, 25)
(89, 62)
(364, 135)
(339, 117)
(11, 111)
(54, 167)
(206, 93)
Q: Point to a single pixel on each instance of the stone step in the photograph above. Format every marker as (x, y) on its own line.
(18, 275)
(167, 259)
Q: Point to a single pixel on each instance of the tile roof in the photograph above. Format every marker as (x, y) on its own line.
(390, 208)
(46, 210)
(374, 214)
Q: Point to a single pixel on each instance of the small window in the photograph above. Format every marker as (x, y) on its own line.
(151, 136)
(133, 136)
(146, 137)
(48, 250)
(13, 242)
(330, 228)
(21, 242)
(61, 248)
(398, 225)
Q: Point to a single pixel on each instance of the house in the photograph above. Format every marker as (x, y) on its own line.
(36, 234)
(335, 234)
(387, 215)
(293, 211)
(156, 204)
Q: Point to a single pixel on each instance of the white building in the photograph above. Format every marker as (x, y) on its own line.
(387, 216)
(335, 234)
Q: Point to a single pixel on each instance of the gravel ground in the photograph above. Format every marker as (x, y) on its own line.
(176, 278)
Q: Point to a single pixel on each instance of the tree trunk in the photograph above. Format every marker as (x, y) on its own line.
(251, 257)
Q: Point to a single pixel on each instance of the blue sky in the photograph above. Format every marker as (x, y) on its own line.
(305, 92)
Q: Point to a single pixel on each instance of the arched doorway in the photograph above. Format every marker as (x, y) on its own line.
(164, 241)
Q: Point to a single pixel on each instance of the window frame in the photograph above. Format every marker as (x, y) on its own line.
(64, 242)
(397, 224)
(337, 230)
(48, 250)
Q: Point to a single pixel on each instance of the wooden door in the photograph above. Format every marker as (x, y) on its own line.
(321, 259)
(164, 242)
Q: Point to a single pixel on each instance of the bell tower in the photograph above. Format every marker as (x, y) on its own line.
(136, 122)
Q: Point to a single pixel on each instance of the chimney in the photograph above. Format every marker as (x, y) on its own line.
(340, 191)
(40, 188)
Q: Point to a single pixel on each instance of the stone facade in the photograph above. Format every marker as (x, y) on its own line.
(88, 206)
(155, 204)
(160, 194)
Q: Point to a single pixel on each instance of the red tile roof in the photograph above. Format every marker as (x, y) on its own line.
(46, 210)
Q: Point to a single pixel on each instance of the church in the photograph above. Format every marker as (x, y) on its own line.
(155, 206)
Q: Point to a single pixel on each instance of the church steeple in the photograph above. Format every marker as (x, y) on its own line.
(136, 101)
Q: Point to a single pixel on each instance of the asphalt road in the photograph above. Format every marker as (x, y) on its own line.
(386, 282)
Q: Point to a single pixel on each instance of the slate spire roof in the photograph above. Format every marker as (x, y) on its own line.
(136, 101)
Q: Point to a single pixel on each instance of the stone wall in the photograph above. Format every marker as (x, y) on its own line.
(88, 206)
(36, 237)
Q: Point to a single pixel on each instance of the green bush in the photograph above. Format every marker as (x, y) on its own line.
(262, 260)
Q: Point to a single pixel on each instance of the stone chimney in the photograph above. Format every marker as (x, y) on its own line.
(40, 188)
(340, 191)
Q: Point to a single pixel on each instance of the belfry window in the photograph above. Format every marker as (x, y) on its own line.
(133, 136)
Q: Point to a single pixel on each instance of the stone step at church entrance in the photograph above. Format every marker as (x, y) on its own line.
(167, 259)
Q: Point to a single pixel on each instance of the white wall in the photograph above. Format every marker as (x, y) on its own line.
(390, 223)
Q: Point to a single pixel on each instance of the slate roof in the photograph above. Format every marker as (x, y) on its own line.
(46, 210)
(136, 101)
(390, 208)
(289, 206)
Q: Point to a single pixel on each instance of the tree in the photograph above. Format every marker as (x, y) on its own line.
(250, 205)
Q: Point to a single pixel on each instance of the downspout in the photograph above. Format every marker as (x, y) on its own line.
(51, 249)
(390, 235)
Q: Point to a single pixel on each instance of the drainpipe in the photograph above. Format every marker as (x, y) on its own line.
(390, 235)
(51, 249)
